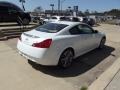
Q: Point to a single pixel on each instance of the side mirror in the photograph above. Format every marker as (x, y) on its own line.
(96, 31)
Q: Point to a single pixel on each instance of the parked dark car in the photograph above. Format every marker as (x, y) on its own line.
(89, 21)
(11, 13)
(75, 19)
(85, 20)
(63, 18)
(37, 19)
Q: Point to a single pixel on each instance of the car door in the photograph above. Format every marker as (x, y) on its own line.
(88, 37)
(76, 40)
(12, 14)
(83, 38)
(7, 14)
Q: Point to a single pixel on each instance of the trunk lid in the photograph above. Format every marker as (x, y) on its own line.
(35, 36)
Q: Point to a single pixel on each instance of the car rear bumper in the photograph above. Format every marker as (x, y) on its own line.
(39, 55)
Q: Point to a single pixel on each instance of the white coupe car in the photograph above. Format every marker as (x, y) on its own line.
(58, 43)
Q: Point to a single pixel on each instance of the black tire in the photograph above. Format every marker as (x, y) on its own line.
(102, 43)
(25, 21)
(66, 58)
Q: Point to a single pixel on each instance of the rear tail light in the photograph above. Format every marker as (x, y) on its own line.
(44, 44)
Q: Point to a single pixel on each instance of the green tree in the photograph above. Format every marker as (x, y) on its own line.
(113, 12)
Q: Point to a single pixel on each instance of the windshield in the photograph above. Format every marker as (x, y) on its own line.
(51, 27)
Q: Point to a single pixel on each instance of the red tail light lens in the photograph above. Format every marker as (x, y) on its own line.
(43, 44)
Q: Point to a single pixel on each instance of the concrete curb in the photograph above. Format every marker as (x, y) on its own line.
(103, 81)
(3, 38)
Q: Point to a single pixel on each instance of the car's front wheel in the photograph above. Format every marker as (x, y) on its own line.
(102, 43)
(66, 58)
(26, 21)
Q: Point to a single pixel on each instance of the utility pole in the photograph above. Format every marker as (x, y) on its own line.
(62, 3)
(59, 7)
(22, 1)
(52, 5)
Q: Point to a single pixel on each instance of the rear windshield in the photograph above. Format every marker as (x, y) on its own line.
(53, 18)
(64, 19)
(51, 27)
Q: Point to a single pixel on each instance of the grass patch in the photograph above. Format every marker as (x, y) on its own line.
(84, 88)
(1, 34)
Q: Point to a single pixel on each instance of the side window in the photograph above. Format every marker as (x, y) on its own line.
(53, 18)
(81, 29)
(3, 9)
(12, 10)
(75, 19)
(84, 29)
(74, 30)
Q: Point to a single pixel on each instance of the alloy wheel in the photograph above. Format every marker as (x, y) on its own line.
(66, 58)
(102, 43)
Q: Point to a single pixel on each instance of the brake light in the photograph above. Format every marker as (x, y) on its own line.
(44, 44)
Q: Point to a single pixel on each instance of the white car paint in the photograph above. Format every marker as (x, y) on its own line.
(61, 40)
(53, 19)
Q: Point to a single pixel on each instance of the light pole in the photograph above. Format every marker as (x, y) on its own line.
(62, 3)
(69, 8)
(22, 1)
(58, 7)
(52, 5)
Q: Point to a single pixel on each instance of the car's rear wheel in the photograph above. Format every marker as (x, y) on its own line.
(102, 43)
(66, 58)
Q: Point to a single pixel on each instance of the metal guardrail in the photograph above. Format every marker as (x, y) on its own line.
(20, 21)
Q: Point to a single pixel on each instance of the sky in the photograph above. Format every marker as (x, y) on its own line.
(92, 5)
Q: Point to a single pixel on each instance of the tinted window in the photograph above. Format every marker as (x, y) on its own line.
(11, 10)
(62, 18)
(81, 29)
(3, 9)
(75, 19)
(84, 29)
(53, 18)
(17, 8)
(10, 5)
(74, 30)
(51, 27)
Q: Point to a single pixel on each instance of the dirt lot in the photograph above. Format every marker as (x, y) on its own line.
(85, 69)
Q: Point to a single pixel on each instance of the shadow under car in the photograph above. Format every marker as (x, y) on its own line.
(80, 65)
